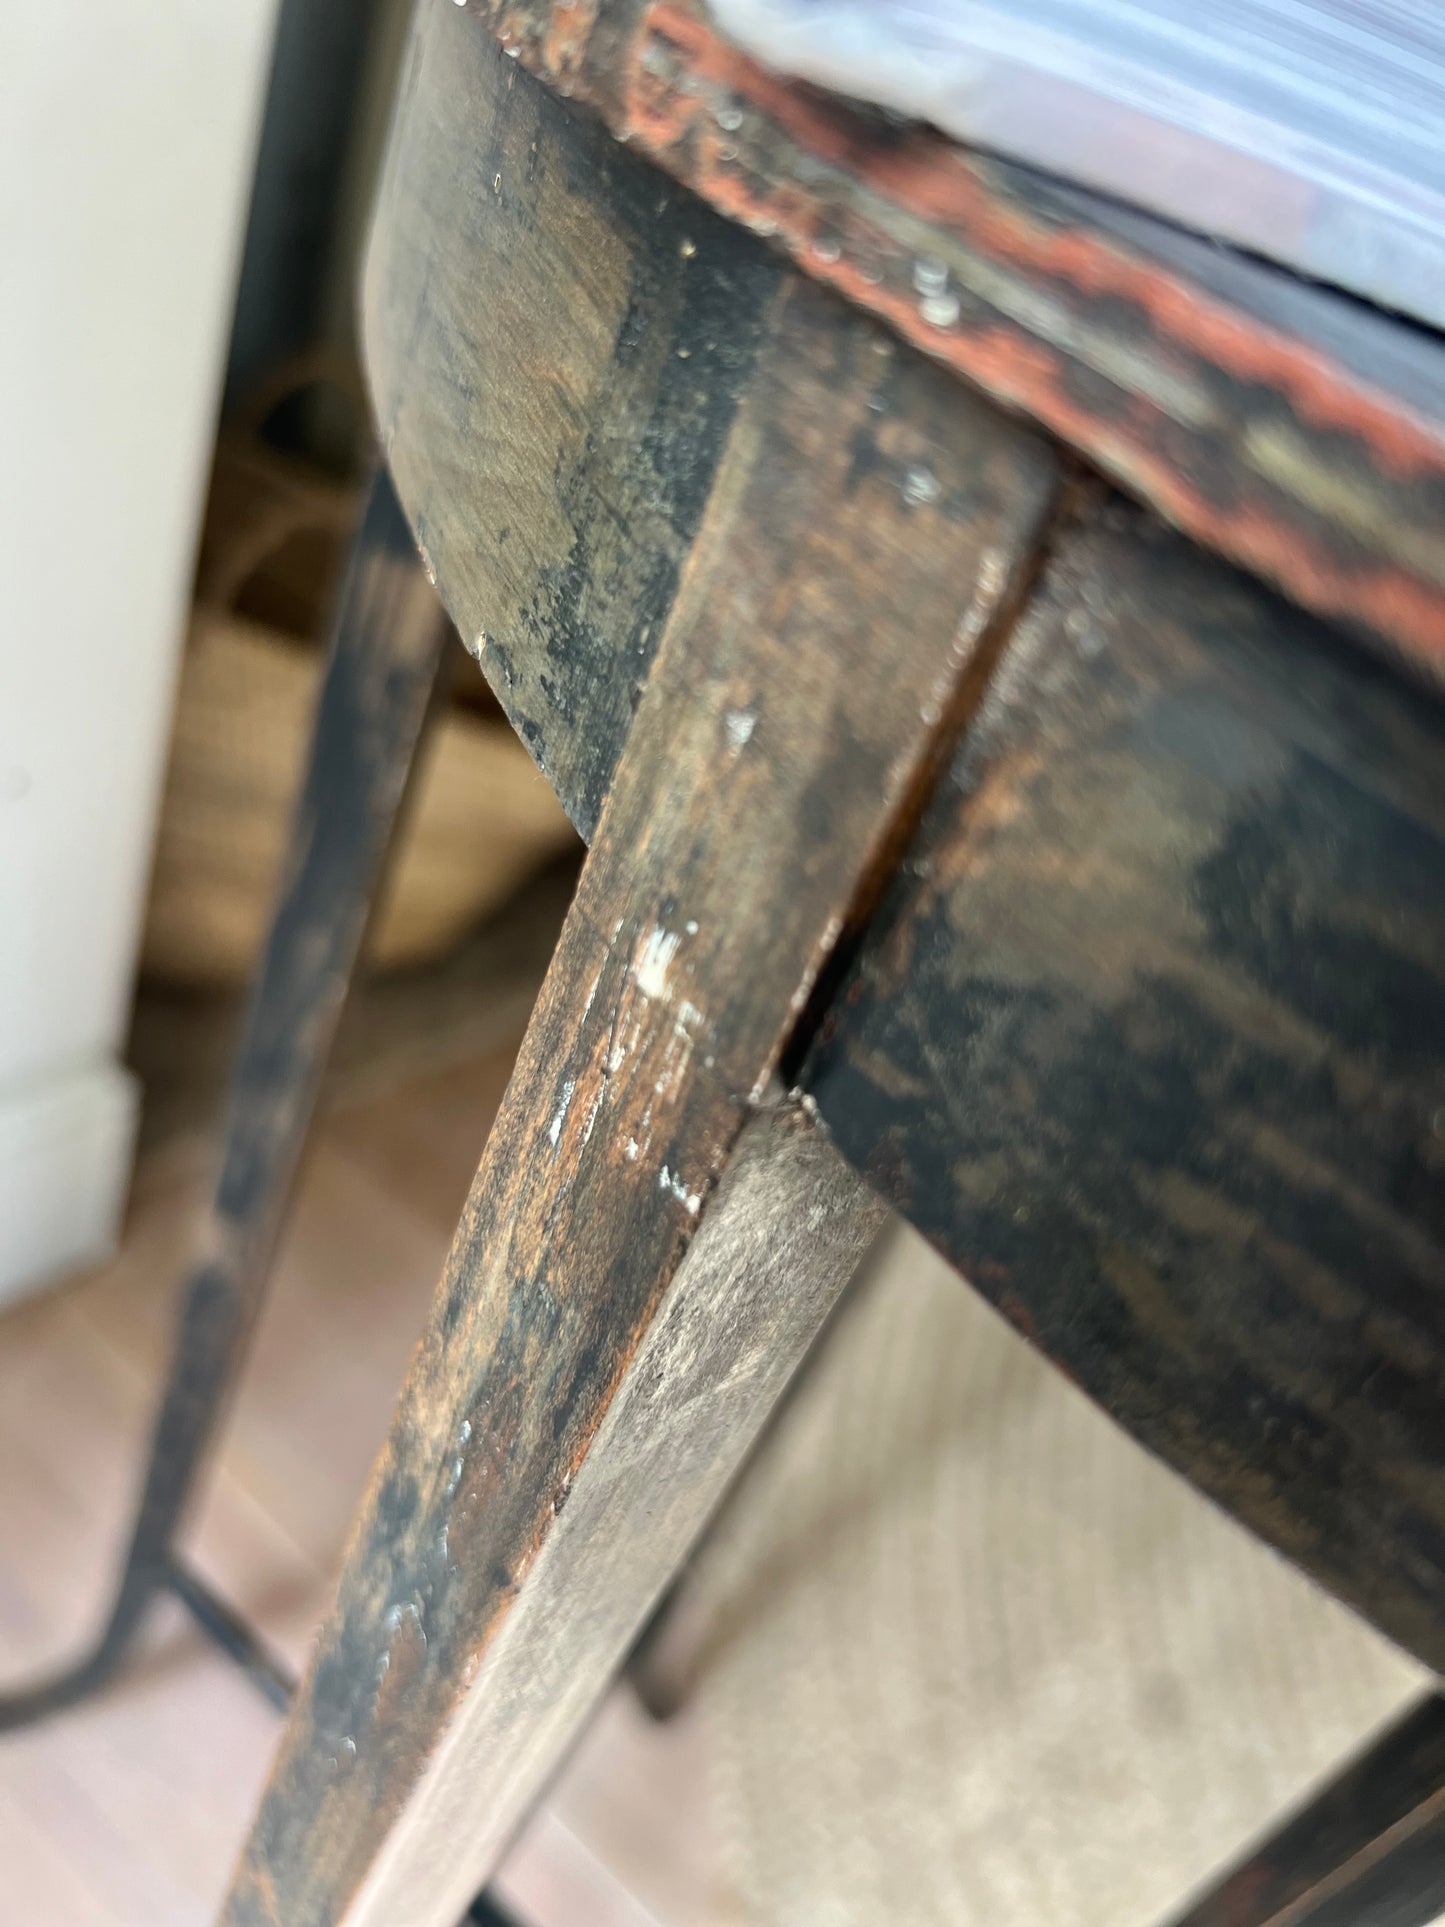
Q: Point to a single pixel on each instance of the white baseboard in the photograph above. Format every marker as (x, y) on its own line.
(66, 1144)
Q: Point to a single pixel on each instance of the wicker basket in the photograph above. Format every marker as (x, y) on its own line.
(479, 822)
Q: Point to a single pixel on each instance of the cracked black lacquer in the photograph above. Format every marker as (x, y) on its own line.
(1150, 1040)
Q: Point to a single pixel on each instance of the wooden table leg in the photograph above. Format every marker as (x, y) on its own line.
(780, 1239)
(861, 552)
(377, 687)
(1368, 1851)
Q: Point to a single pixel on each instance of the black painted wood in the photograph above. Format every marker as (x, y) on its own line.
(558, 338)
(373, 701)
(833, 619)
(1301, 436)
(1149, 1037)
(1366, 1852)
(552, 454)
(1150, 1040)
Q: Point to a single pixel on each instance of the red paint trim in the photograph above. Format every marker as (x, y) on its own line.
(926, 182)
(935, 180)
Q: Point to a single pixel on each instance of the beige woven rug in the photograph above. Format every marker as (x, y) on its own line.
(969, 1658)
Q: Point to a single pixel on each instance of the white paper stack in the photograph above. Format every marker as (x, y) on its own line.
(1309, 131)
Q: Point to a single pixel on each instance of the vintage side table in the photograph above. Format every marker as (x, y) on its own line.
(993, 645)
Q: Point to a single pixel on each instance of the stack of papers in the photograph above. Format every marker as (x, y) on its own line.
(1308, 131)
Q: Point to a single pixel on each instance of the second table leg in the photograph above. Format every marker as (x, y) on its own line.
(377, 688)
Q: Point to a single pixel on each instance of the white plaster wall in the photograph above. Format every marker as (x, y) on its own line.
(127, 136)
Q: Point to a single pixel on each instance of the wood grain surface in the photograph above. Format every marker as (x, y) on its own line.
(1150, 1040)
(1301, 435)
(561, 403)
(832, 628)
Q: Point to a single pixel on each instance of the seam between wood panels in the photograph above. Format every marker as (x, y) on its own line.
(1076, 490)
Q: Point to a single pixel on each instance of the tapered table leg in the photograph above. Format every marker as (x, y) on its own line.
(1367, 1851)
(647, 1247)
(377, 687)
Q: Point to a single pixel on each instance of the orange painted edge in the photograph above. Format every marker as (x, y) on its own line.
(934, 181)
